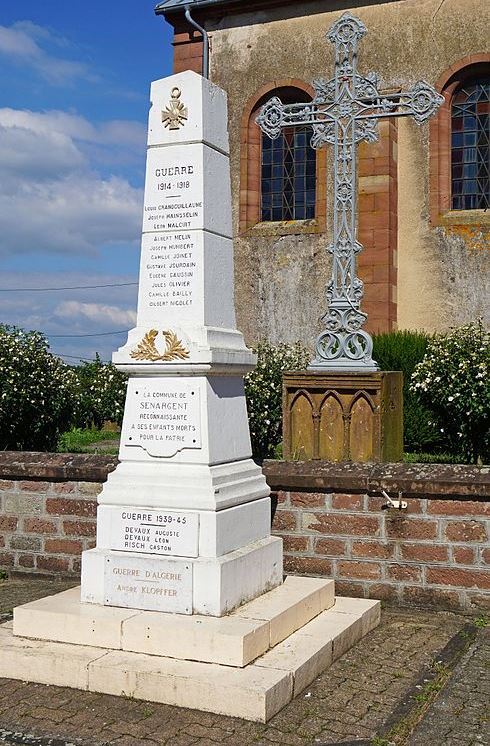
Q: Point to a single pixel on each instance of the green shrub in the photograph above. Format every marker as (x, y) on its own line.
(102, 393)
(38, 392)
(403, 350)
(263, 389)
(453, 380)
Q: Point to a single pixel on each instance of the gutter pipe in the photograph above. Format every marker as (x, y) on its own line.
(205, 37)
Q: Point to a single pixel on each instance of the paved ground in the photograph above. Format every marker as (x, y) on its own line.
(460, 714)
(357, 699)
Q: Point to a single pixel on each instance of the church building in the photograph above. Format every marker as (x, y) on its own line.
(423, 191)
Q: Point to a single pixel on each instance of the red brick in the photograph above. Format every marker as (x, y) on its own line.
(6, 484)
(466, 531)
(79, 528)
(308, 499)
(34, 486)
(332, 524)
(410, 528)
(282, 497)
(383, 591)
(7, 524)
(284, 520)
(431, 597)
(62, 546)
(464, 555)
(347, 502)
(39, 526)
(65, 506)
(295, 543)
(52, 564)
(364, 570)
(414, 506)
(349, 588)
(26, 560)
(372, 549)
(458, 507)
(405, 573)
(6, 559)
(76, 565)
(479, 579)
(486, 556)
(65, 487)
(425, 552)
(308, 565)
(332, 547)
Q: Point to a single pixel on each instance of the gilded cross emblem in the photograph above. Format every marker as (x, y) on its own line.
(175, 115)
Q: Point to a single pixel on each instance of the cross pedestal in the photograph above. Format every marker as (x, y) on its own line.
(344, 112)
(183, 599)
(343, 416)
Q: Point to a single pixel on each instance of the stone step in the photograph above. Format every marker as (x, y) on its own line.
(233, 640)
(255, 692)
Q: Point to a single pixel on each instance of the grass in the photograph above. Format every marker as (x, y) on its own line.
(89, 440)
(431, 458)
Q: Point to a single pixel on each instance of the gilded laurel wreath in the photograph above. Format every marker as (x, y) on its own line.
(147, 350)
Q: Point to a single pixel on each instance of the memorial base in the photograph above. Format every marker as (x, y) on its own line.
(187, 585)
(248, 664)
(343, 416)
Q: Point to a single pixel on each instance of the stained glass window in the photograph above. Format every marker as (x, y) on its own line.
(470, 145)
(288, 176)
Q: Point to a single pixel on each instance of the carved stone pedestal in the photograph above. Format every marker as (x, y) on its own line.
(343, 416)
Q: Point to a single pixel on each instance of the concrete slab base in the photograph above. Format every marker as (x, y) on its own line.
(249, 664)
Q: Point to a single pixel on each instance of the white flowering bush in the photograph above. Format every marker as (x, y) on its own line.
(38, 392)
(263, 390)
(453, 380)
(103, 392)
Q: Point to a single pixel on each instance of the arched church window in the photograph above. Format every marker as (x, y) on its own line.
(288, 176)
(283, 180)
(470, 145)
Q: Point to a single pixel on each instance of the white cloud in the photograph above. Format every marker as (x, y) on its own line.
(71, 312)
(97, 312)
(23, 43)
(51, 197)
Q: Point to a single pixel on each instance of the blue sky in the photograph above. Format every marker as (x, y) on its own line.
(74, 97)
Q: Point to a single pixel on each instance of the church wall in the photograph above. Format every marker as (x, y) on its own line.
(280, 278)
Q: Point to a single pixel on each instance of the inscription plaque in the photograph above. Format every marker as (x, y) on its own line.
(171, 271)
(148, 583)
(162, 416)
(154, 531)
(173, 189)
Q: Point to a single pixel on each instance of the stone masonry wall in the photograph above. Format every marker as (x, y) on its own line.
(330, 517)
(48, 508)
(436, 552)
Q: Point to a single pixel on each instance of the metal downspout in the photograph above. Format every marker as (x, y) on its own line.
(205, 37)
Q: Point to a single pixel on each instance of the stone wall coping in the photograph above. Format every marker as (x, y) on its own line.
(441, 481)
(77, 467)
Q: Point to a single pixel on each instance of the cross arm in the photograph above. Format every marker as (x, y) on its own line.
(275, 115)
(421, 102)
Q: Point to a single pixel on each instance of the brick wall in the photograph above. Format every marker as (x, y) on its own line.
(48, 508)
(437, 552)
(329, 515)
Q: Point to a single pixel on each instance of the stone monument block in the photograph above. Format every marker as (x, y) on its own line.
(343, 416)
(183, 599)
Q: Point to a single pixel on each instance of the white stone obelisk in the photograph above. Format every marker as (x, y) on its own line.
(183, 523)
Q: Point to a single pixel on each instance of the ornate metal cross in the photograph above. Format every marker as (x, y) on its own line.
(344, 112)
